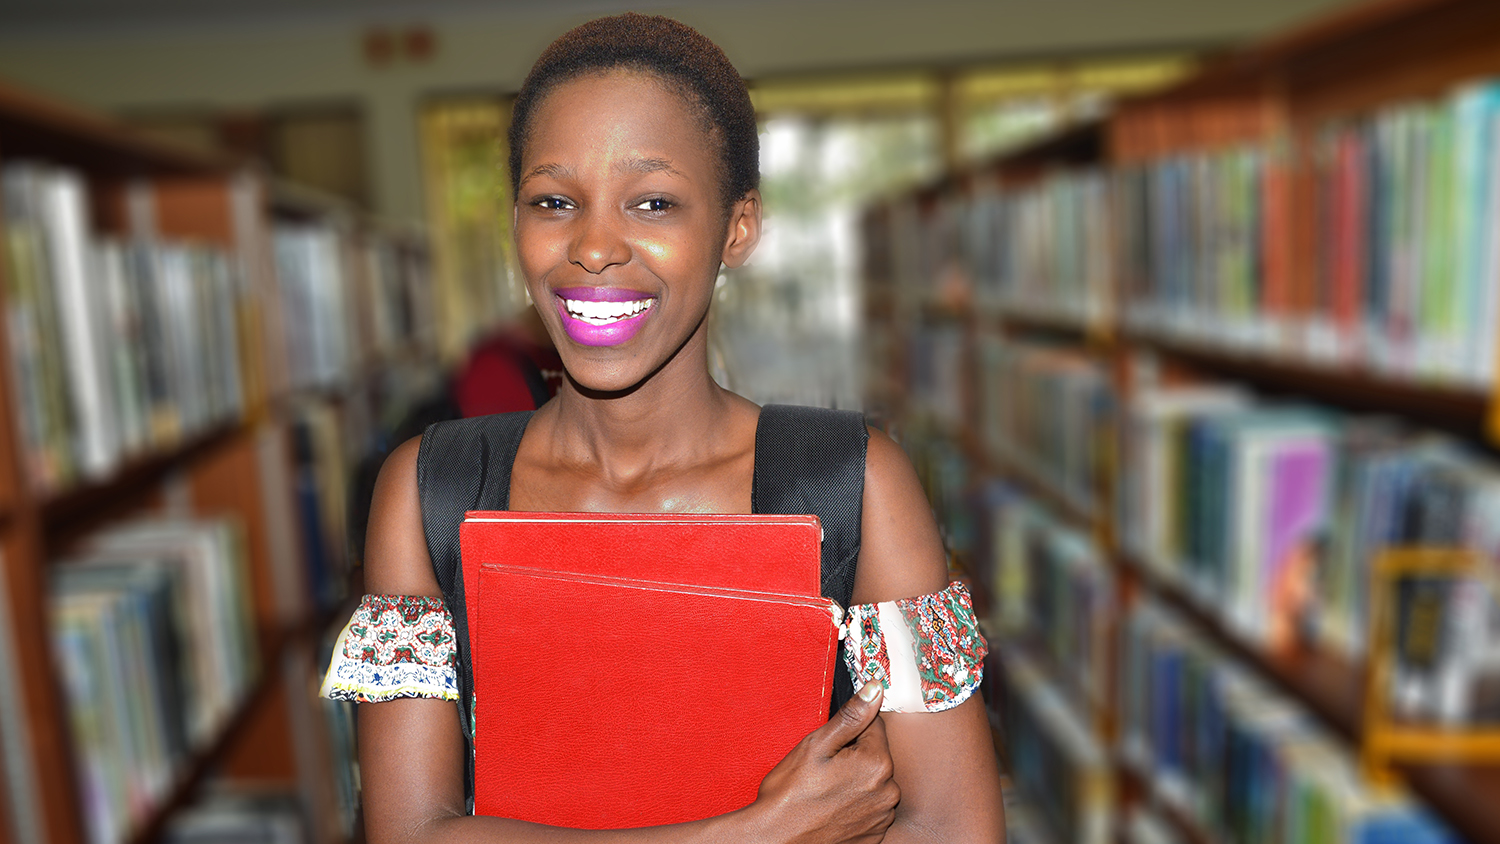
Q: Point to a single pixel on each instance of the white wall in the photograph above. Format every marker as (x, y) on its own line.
(254, 63)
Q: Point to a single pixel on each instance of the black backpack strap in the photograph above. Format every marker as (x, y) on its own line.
(464, 465)
(811, 460)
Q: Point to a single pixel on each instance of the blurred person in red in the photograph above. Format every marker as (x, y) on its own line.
(515, 367)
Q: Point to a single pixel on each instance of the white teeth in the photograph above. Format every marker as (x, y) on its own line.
(604, 313)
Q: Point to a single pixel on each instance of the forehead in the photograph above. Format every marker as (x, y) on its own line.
(618, 113)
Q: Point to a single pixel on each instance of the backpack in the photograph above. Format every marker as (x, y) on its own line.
(807, 461)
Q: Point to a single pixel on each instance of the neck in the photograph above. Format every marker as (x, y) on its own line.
(667, 419)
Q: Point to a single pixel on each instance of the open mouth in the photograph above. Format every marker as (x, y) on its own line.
(602, 316)
(605, 313)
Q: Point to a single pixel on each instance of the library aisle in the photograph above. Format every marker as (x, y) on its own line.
(193, 357)
(1204, 393)
(1201, 382)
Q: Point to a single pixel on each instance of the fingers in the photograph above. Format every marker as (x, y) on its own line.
(874, 738)
(851, 721)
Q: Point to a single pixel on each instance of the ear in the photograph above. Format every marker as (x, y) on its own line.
(744, 229)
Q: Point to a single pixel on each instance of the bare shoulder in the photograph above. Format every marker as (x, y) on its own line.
(901, 553)
(396, 558)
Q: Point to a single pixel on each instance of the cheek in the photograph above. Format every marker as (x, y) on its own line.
(660, 250)
(537, 249)
(681, 254)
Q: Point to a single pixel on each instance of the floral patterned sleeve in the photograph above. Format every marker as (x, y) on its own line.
(394, 646)
(927, 650)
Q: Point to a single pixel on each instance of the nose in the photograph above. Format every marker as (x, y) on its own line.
(598, 245)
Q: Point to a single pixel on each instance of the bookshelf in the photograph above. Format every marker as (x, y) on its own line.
(238, 432)
(1258, 240)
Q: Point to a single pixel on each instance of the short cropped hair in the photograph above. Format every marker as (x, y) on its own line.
(676, 53)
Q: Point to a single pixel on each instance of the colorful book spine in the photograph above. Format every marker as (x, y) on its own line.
(1044, 250)
(1050, 411)
(1052, 589)
(1399, 209)
(155, 648)
(1272, 518)
(1056, 761)
(119, 344)
(1239, 761)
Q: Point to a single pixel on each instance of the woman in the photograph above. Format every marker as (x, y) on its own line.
(634, 159)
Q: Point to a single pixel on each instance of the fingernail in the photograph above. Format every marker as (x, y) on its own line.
(868, 691)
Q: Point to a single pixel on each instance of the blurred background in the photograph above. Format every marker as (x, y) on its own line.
(1185, 311)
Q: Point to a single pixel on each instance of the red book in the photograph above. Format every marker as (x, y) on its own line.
(635, 670)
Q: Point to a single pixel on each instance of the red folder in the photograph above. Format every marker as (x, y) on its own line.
(635, 670)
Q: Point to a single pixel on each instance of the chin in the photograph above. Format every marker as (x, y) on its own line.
(605, 381)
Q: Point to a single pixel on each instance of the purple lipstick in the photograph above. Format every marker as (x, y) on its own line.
(602, 316)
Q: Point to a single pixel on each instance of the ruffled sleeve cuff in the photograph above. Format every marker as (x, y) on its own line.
(394, 646)
(927, 650)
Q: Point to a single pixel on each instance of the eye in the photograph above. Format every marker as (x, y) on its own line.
(655, 204)
(552, 203)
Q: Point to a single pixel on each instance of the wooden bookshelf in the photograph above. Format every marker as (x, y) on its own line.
(1278, 96)
(1463, 794)
(1457, 410)
(206, 758)
(1330, 686)
(221, 469)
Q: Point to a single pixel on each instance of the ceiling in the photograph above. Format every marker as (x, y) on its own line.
(102, 16)
(70, 18)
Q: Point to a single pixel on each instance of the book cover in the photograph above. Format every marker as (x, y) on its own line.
(1297, 514)
(634, 670)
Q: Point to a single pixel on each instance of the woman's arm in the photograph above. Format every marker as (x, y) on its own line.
(835, 786)
(944, 761)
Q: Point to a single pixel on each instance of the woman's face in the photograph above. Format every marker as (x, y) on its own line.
(620, 227)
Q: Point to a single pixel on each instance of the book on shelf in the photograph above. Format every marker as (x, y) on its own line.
(1070, 593)
(945, 471)
(1050, 588)
(659, 618)
(935, 355)
(1403, 203)
(393, 296)
(289, 572)
(155, 649)
(1241, 762)
(1271, 518)
(244, 815)
(327, 751)
(1058, 764)
(1231, 501)
(338, 721)
(314, 285)
(1049, 411)
(320, 494)
(1202, 244)
(1003, 513)
(1143, 826)
(1412, 491)
(1044, 249)
(118, 343)
(1022, 826)
(1151, 423)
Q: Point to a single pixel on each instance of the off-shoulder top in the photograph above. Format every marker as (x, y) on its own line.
(927, 651)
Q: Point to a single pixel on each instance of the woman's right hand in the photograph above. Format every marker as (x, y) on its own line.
(835, 786)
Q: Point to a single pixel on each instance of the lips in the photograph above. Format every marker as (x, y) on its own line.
(602, 316)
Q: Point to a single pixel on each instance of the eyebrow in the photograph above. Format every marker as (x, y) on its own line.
(556, 171)
(634, 165)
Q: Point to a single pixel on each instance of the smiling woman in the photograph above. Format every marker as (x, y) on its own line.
(621, 201)
(633, 156)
